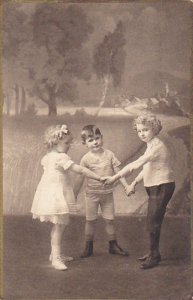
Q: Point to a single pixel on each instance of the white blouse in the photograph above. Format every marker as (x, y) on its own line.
(157, 162)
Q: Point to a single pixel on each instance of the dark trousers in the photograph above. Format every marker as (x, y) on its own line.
(159, 196)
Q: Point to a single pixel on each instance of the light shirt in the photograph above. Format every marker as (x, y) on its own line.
(157, 162)
(102, 165)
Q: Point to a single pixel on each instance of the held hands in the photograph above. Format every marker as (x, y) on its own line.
(130, 189)
(105, 179)
(108, 180)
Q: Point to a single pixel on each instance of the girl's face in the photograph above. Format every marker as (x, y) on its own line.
(64, 144)
(94, 143)
(145, 132)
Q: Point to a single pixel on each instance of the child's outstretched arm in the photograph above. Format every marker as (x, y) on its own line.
(111, 179)
(146, 157)
(84, 171)
(78, 184)
(119, 175)
(122, 180)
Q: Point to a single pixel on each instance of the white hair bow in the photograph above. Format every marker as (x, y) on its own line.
(64, 129)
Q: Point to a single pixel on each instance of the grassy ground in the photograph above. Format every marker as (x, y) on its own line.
(28, 274)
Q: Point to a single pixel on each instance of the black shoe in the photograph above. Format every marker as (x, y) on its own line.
(146, 256)
(114, 248)
(88, 251)
(150, 262)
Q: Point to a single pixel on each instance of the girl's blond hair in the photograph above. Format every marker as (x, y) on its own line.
(149, 120)
(54, 134)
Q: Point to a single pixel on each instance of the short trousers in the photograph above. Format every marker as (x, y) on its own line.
(106, 203)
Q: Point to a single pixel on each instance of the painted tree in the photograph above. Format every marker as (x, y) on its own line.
(109, 59)
(14, 34)
(59, 33)
(51, 55)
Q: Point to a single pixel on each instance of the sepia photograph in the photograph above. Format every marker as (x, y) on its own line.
(96, 162)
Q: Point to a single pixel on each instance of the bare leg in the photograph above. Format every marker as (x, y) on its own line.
(56, 239)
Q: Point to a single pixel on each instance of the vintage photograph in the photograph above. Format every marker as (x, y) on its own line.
(96, 150)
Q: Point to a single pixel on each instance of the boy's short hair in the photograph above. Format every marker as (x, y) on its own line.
(149, 120)
(89, 131)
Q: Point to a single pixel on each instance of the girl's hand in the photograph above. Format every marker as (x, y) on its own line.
(104, 179)
(130, 189)
(109, 180)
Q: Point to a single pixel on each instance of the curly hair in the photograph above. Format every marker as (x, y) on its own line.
(54, 134)
(150, 120)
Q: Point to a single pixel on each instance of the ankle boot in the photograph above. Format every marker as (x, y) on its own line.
(114, 248)
(88, 251)
(150, 262)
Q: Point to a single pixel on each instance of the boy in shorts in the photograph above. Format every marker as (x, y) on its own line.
(104, 163)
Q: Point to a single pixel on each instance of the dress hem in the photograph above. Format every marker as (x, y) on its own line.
(55, 219)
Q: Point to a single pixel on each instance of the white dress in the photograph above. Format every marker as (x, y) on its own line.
(54, 197)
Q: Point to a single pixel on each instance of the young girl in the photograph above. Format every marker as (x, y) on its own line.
(157, 175)
(54, 194)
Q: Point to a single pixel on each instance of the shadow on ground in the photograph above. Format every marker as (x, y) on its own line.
(28, 274)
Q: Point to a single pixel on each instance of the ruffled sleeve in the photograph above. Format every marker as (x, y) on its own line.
(64, 161)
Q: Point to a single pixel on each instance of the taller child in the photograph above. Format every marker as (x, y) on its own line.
(158, 177)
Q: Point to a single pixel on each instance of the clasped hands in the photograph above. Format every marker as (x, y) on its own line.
(108, 180)
(129, 188)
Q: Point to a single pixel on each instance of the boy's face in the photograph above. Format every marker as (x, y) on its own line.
(145, 132)
(94, 143)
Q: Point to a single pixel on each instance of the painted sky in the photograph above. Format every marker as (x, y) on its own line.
(158, 38)
(158, 35)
